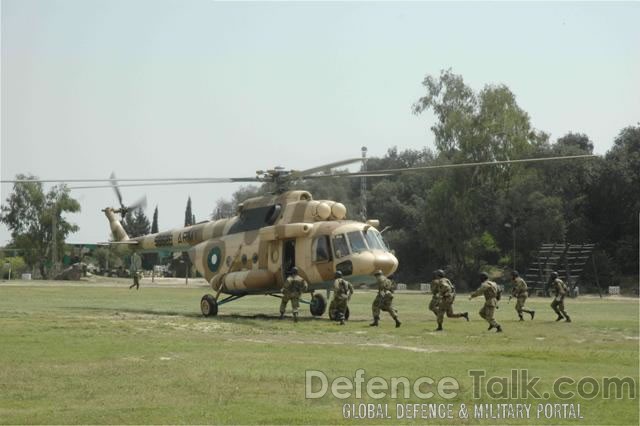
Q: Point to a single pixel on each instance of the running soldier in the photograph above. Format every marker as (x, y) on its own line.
(447, 296)
(342, 292)
(520, 292)
(491, 292)
(293, 287)
(435, 291)
(384, 300)
(560, 290)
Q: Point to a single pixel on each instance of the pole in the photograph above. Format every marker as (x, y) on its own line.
(363, 185)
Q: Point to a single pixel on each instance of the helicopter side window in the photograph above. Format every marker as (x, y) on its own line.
(372, 240)
(320, 249)
(340, 247)
(357, 242)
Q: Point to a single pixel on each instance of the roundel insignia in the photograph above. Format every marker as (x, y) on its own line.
(214, 259)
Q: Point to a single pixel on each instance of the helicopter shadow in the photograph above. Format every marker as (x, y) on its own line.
(116, 311)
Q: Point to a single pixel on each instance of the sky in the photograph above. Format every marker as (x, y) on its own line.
(158, 88)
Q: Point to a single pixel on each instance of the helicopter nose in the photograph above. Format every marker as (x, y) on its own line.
(386, 262)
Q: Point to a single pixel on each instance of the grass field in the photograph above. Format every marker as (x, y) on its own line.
(102, 354)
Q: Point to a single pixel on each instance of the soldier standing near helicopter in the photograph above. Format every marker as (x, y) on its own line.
(293, 287)
(136, 264)
(560, 289)
(384, 300)
(342, 291)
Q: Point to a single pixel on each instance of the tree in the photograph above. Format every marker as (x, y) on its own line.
(614, 200)
(188, 216)
(36, 222)
(136, 223)
(154, 224)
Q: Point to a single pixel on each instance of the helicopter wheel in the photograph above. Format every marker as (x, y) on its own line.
(208, 305)
(318, 305)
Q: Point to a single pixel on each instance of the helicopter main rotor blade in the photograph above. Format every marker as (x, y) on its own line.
(387, 172)
(324, 167)
(189, 179)
(170, 182)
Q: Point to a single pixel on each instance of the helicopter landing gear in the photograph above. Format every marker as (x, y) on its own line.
(208, 305)
(318, 305)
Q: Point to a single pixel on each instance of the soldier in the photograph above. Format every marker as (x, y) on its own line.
(520, 292)
(136, 263)
(384, 300)
(435, 291)
(447, 296)
(293, 287)
(560, 289)
(490, 290)
(342, 291)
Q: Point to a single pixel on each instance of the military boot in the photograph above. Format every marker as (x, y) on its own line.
(281, 315)
(521, 319)
(560, 317)
(533, 314)
(439, 327)
(465, 315)
(295, 317)
(398, 323)
(567, 319)
(375, 322)
(498, 329)
(490, 327)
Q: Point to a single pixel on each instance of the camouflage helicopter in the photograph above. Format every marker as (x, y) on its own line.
(252, 252)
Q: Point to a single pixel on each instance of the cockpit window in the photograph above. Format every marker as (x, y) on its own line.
(372, 239)
(357, 242)
(340, 247)
(382, 241)
(320, 249)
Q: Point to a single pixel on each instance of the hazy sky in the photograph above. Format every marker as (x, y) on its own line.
(202, 88)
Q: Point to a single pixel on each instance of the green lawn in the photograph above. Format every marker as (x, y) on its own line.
(107, 355)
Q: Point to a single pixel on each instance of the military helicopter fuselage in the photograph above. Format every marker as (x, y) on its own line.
(252, 252)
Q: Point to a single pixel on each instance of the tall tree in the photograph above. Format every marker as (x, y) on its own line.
(36, 222)
(154, 223)
(136, 223)
(614, 201)
(188, 216)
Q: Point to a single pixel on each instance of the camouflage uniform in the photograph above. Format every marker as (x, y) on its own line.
(520, 292)
(447, 296)
(342, 291)
(136, 264)
(490, 291)
(559, 289)
(293, 287)
(384, 300)
(435, 298)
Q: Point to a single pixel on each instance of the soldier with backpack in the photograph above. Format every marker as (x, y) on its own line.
(560, 290)
(492, 294)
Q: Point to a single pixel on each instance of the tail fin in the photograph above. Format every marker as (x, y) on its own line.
(118, 232)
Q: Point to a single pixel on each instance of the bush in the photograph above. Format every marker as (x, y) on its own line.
(18, 267)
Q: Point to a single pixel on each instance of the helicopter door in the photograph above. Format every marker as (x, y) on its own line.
(288, 256)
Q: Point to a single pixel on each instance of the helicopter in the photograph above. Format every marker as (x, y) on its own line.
(252, 252)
